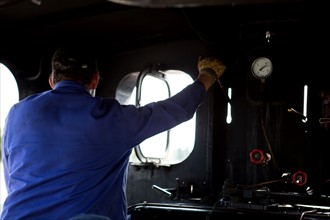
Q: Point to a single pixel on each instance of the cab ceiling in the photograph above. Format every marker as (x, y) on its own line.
(38, 24)
(19, 10)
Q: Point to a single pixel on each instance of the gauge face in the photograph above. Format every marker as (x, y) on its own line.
(262, 67)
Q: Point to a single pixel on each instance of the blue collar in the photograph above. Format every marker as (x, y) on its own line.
(70, 86)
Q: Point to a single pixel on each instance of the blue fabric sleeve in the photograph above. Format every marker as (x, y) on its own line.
(160, 116)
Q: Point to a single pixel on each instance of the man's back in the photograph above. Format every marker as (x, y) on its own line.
(55, 142)
(66, 152)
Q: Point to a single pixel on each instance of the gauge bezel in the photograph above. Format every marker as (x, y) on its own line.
(262, 67)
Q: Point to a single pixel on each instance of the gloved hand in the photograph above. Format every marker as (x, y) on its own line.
(211, 66)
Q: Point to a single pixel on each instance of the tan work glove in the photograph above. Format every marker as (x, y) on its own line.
(211, 66)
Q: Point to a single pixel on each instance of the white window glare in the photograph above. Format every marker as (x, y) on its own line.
(151, 84)
(305, 103)
(229, 118)
(161, 148)
(8, 97)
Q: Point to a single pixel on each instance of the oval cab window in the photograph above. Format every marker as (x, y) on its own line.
(8, 97)
(169, 147)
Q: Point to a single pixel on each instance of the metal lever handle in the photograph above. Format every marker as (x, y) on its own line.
(169, 194)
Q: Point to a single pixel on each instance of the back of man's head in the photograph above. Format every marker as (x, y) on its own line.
(73, 64)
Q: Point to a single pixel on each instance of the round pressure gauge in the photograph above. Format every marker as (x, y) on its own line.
(262, 67)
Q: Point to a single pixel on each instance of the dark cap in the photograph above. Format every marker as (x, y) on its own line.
(73, 61)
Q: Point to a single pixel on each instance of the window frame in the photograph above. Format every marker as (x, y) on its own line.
(176, 150)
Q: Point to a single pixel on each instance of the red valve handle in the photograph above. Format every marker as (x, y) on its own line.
(257, 156)
(299, 178)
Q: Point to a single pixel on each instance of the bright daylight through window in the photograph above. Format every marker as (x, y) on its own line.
(8, 97)
(166, 148)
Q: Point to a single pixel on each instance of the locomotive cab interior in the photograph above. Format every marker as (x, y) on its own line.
(257, 146)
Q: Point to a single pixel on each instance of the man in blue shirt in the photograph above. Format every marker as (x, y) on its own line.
(66, 152)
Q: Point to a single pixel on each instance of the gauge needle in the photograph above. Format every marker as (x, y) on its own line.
(263, 67)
